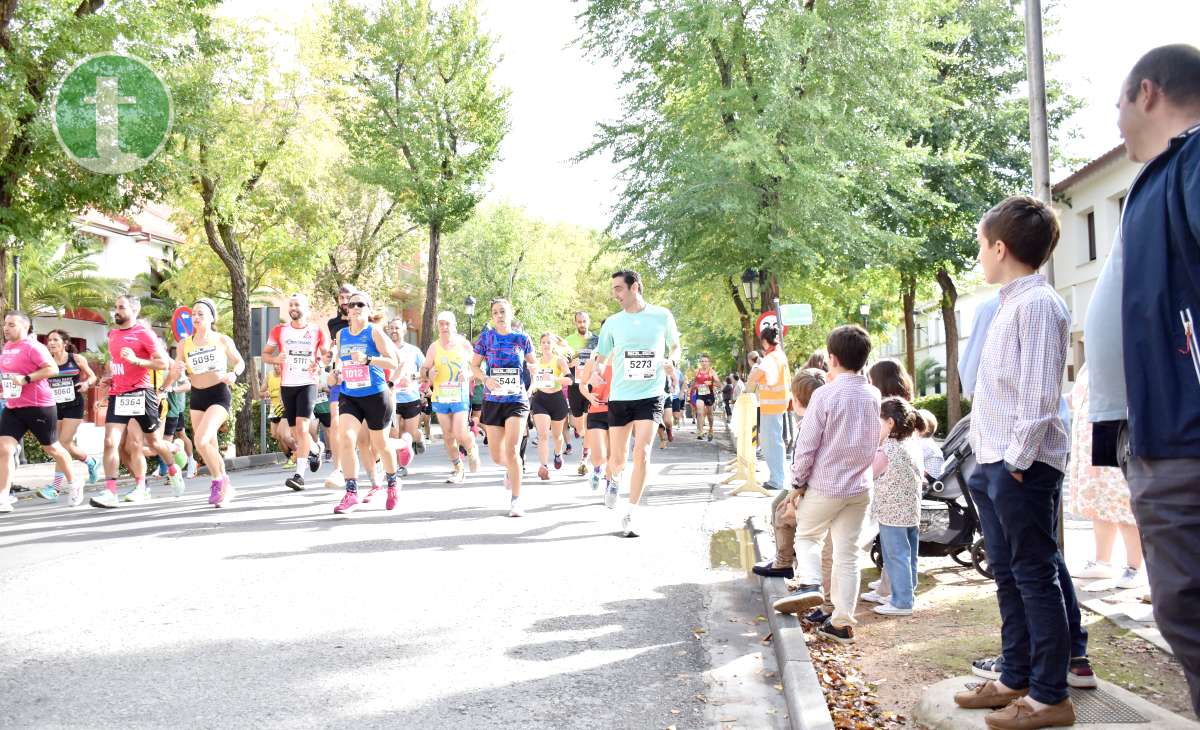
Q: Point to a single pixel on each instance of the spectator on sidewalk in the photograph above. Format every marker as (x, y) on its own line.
(783, 509)
(1080, 674)
(935, 461)
(1143, 343)
(770, 379)
(833, 456)
(1021, 449)
(1101, 494)
(893, 381)
(896, 502)
(818, 360)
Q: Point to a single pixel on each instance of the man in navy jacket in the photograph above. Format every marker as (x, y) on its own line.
(1159, 291)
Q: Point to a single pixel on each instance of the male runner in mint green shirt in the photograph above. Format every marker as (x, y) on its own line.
(642, 343)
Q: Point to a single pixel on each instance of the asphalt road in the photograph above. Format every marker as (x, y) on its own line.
(443, 613)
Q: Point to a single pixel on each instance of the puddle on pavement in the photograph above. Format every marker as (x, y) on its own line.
(733, 549)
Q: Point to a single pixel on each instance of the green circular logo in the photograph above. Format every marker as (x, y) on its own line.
(112, 113)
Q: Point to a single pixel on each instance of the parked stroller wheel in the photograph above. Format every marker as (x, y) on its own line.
(877, 554)
(964, 557)
(979, 559)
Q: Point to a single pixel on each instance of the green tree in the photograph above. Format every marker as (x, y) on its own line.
(979, 151)
(548, 271)
(244, 161)
(40, 189)
(420, 113)
(762, 134)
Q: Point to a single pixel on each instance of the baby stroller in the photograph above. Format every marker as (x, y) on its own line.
(949, 522)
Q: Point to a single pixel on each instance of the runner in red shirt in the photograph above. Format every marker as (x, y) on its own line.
(133, 403)
(705, 385)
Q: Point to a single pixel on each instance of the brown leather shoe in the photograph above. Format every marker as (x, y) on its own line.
(1021, 716)
(987, 696)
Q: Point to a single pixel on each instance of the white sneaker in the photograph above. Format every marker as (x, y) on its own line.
(9, 498)
(138, 495)
(191, 469)
(6, 506)
(887, 609)
(874, 597)
(335, 480)
(1131, 578)
(105, 499)
(627, 527)
(874, 584)
(1095, 569)
(178, 487)
(515, 509)
(75, 491)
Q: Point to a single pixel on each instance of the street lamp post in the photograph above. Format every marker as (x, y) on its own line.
(750, 288)
(864, 309)
(469, 307)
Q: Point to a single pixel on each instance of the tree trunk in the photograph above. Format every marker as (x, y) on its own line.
(953, 388)
(744, 318)
(3, 279)
(431, 285)
(246, 432)
(908, 287)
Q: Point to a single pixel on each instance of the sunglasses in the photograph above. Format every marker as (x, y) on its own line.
(358, 305)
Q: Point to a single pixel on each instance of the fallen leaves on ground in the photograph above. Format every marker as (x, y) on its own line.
(852, 701)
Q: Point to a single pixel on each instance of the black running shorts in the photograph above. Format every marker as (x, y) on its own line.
(625, 412)
(497, 414)
(148, 419)
(41, 421)
(375, 409)
(214, 395)
(298, 401)
(579, 405)
(550, 404)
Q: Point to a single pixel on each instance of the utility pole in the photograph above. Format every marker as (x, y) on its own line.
(1039, 142)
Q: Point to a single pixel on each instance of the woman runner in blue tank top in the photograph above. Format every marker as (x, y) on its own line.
(364, 352)
(508, 355)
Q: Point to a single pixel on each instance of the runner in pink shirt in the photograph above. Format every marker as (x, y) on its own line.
(25, 364)
(134, 350)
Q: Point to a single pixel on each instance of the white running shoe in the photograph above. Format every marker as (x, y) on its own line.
(75, 491)
(887, 609)
(105, 499)
(610, 493)
(335, 480)
(177, 485)
(191, 469)
(6, 507)
(514, 508)
(473, 459)
(1095, 569)
(138, 495)
(627, 528)
(874, 597)
(874, 584)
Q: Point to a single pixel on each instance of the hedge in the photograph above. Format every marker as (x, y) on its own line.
(936, 404)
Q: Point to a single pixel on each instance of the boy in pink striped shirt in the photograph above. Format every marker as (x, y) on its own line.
(834, 450)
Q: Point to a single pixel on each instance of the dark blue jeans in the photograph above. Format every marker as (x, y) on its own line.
(1018, 520)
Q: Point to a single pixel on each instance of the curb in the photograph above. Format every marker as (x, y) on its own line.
(807, 709)
(237, 463)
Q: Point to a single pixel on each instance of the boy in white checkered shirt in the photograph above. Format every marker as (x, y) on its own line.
(1021, 450)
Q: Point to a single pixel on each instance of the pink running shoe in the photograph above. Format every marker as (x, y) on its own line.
(371, 493)
(227, 492)
(214, 494)
(348, 504)
(404, 452)
(391, 498)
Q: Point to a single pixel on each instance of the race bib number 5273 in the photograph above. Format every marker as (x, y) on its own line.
(640, 365)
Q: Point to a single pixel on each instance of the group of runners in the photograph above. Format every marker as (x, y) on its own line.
(368, 388)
